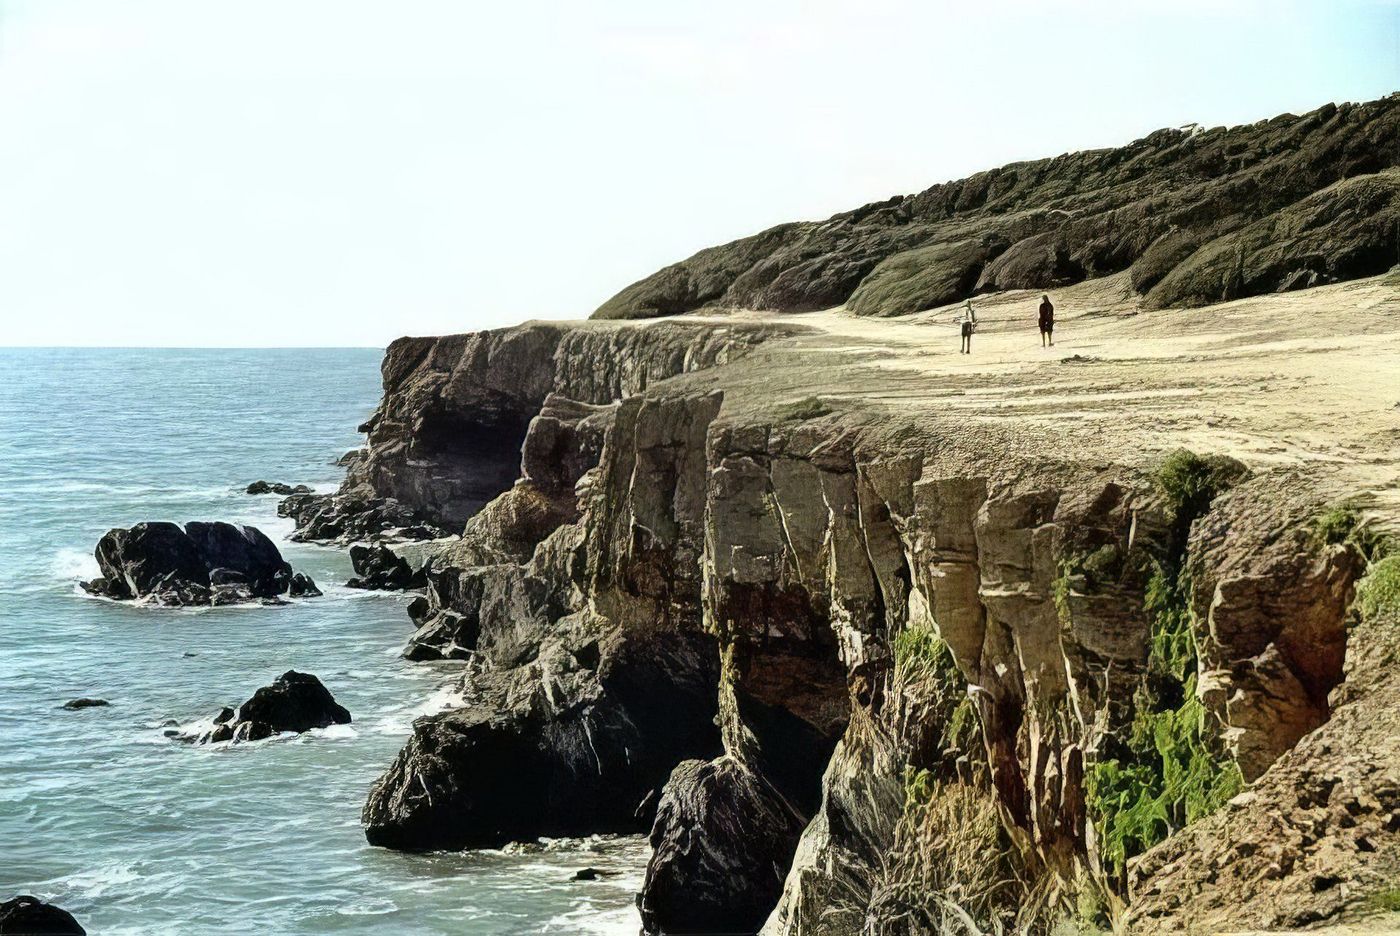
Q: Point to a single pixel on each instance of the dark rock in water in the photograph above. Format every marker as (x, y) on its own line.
(76, 704)
(243, 550)
(202, 564)
(30, 916)
(342, 518)
(276, 487)
(721, 847)
(514, 768)
(140, 560)
(591, 874)
(302, 587)
(295, 702)
(379, 567)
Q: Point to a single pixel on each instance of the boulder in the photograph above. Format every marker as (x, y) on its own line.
(294, 702)
(276, 487)
(380, 568)
(201, 564)
(721, 846)
(30, 916)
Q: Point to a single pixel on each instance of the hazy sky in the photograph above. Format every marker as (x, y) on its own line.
(341, 172)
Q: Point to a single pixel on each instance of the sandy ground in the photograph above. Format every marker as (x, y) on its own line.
(1308, 379)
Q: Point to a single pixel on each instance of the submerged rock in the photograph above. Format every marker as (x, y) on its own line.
(276, 487)
(201, 564)
(379, 568)
(30, 916)
(75, 704)
(295, 702)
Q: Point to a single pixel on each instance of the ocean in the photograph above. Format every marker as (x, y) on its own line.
(132, 832)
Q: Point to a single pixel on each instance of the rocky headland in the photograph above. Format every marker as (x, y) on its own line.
(875, 638)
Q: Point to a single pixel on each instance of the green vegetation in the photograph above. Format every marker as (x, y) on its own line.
(922, 659)
(1378, 595)
(803, 409)
(1343, 523)
(1387, 900)
(1168, 772)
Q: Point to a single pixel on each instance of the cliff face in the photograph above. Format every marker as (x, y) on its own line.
(1195, 216)
(862, 667)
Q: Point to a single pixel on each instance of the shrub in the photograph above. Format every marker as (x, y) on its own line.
(1378, 595)
(803, 409)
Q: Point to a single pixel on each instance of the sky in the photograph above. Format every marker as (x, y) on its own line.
(342, 172)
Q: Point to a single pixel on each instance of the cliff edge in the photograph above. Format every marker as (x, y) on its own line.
(874, 637)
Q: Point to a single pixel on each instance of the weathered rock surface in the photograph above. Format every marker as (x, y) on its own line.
(1316, 838)
(447, 436)
(201, 564)
(1207, 214)
(30, 916)
(1271, 599)
(767, 576)
(378, 567)
(722, 843)
(294, 702)
(349, 518)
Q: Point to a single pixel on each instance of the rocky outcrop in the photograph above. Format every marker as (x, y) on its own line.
(30, 916)
(722, 841)
(1270, 598)
(1317, 837)
(379, 568)
(201, 564)
(446, 439)
(350, 518)
(871, 649)
(570, 651)
(1348, 230)
(1198, 215)
(294, 702)
(276, 487)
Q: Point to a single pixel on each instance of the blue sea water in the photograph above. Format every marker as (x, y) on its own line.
(135, 833)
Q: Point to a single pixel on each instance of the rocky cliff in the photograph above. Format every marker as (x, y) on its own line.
(1195, 215)
(873, 638)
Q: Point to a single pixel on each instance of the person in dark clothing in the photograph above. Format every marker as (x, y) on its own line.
(1047, 322)
(968, 320)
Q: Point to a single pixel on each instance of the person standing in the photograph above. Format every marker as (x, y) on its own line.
(1047, 322)
(968, 321)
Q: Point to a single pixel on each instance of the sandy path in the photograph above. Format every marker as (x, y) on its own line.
(1309, 379)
